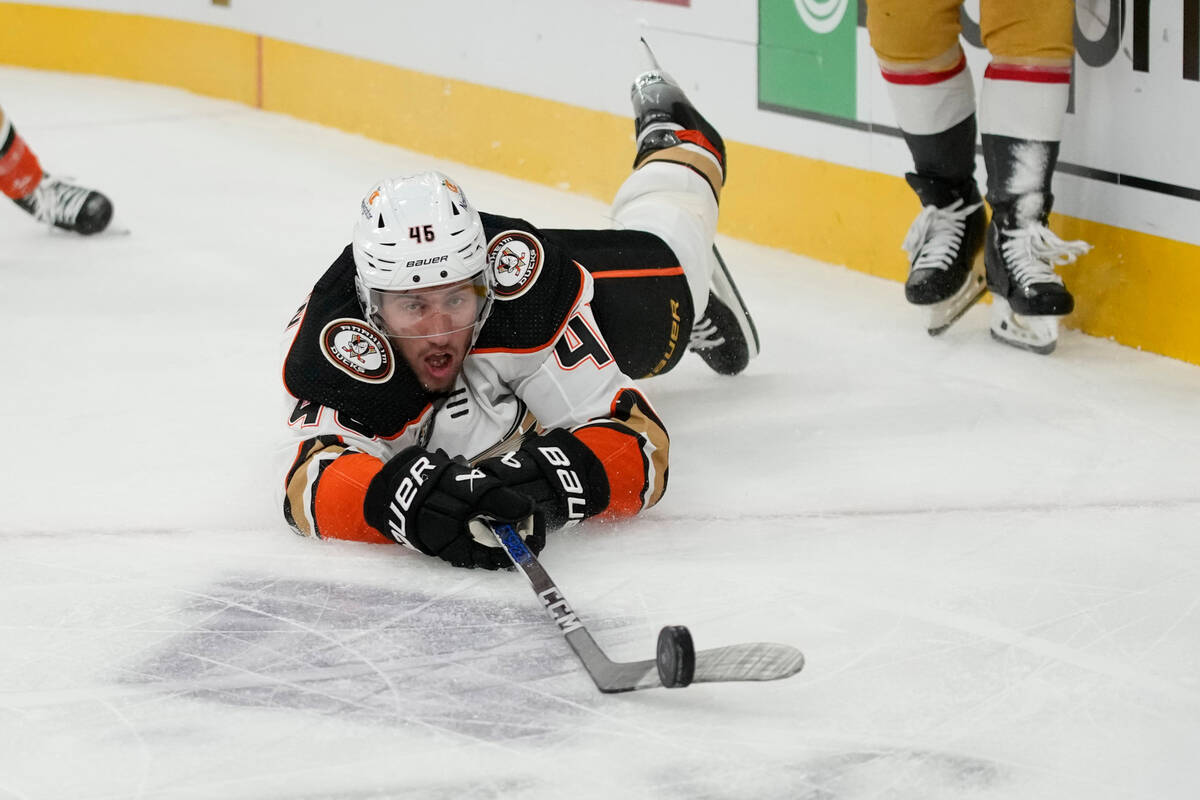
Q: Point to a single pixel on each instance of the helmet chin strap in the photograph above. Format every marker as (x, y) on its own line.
(369, 312)
(484, 313)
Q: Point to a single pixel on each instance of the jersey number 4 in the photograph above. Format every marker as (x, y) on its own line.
(579, 343)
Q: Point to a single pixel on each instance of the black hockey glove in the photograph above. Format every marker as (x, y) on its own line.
(426, 501)
(565, 480)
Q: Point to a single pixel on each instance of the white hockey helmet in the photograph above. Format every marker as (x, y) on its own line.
(413, 235)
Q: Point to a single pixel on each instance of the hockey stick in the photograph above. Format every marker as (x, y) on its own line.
(676, 665)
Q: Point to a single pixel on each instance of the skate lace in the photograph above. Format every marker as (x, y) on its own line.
(705, 335)
(1031, 253)
(936, 234)
(55, 201)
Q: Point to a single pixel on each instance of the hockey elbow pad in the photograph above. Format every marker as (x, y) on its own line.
(563, 477)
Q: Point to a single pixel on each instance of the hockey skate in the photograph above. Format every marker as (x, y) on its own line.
(945, 246)
(1029, 298)
(68, 206)
(669, 128)
(725, 336)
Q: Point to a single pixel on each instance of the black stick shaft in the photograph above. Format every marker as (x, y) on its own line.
(762, 661)
(608, 675)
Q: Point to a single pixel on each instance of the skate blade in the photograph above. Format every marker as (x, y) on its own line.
(1035, 334)
(114, 229)
(648, 55)
(722, 286)
(944, 314)
(652, 71)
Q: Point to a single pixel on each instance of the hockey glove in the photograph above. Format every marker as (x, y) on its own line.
(565, 480)
(426, 501)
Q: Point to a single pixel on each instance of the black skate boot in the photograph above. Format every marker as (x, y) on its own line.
(725, 336)
(65, 205)
(943, 245)
(1029, 298)
(717, 339)
(669, 128)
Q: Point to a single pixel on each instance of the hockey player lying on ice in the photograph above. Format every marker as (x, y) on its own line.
(453, 365)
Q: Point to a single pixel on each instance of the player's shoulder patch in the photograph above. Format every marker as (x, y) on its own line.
(516, 258)
(337, 359)
(357, 349)
(537, 286)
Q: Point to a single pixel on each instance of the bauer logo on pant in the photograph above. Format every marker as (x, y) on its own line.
(516, 259)
(355, 348)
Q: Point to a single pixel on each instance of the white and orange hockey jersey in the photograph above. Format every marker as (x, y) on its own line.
(576, 314)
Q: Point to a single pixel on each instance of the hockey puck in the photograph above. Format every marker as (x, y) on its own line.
(676, 659)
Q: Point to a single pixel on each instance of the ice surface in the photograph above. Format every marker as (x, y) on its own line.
(989, 558)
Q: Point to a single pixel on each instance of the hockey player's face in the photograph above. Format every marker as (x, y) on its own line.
(436, 360)
(433, 329)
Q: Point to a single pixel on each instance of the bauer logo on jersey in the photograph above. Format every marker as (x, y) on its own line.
(516, 259)
(353, 347)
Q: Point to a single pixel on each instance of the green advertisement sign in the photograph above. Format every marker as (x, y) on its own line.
(807, 56)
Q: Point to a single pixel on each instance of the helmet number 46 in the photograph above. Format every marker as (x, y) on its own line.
(421, 233)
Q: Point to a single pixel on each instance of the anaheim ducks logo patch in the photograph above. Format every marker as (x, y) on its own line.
(357, 349)
(516, 260)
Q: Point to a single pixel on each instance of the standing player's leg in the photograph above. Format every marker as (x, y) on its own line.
(1022, 108)
(933, 98)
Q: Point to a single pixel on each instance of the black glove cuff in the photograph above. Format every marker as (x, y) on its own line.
(563, 477)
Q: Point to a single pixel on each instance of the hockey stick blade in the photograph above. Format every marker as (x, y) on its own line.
(739, 662)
